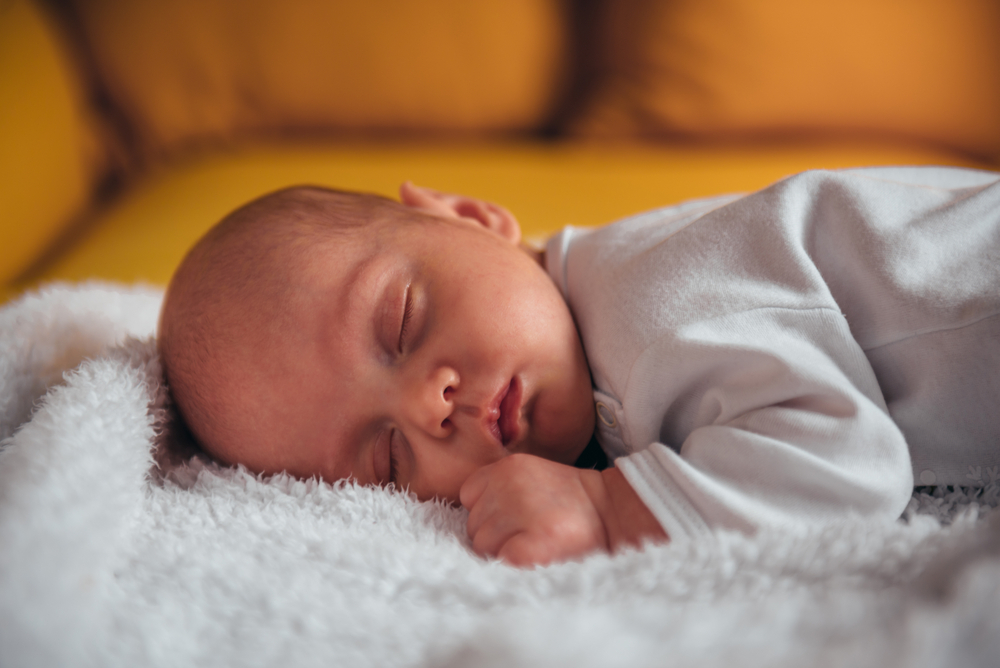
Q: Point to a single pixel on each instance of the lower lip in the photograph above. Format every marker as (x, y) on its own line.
(509, 421)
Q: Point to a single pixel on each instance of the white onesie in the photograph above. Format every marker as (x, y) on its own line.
(781, 358)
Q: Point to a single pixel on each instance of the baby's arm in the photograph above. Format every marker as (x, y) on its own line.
(528, 510)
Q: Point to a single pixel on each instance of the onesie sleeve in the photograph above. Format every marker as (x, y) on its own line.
(774, 418)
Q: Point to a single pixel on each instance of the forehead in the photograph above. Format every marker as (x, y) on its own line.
(353, 264)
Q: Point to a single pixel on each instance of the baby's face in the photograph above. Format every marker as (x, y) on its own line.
(419, 351)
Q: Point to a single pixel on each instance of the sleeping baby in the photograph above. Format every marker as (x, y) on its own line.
(779, 359)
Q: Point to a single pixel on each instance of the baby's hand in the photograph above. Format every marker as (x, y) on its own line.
(528, 510)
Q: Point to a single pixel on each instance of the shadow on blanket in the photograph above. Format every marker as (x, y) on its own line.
(102, 563)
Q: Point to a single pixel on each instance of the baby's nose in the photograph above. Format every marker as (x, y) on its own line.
(432, 403)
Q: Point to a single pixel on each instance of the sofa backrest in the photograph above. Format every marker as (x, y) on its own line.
(187, 72)
(919, 70)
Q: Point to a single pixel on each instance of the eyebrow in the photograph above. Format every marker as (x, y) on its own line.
(357, 304)
(355, 282)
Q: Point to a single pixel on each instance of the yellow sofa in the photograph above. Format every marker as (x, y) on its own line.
(128, 128)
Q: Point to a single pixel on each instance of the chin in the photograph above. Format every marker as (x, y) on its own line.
(567, 449)
(580, 445)
(564, 438)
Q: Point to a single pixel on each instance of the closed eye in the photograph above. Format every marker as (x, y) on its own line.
(407, 313)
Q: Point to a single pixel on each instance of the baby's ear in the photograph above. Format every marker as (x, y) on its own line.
(491, 216)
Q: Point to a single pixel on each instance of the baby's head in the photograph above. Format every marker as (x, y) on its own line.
(345, 335)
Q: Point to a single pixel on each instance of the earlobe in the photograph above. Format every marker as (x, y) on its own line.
(491, 216)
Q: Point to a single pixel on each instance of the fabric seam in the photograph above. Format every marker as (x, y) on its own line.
(933, 330)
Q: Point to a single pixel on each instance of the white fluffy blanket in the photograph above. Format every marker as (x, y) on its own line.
(106, 560)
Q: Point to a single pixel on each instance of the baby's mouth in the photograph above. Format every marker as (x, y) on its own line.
(504, 412)
(510, 409)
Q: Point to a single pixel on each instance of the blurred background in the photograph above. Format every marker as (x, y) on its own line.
(129, 127)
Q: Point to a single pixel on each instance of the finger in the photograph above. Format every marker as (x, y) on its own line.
(524, 550)
(480, 513)
(474, 486)
(492, 536)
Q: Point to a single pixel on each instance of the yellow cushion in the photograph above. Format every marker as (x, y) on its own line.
(926, 69)
(191, 71)
(48, 153)
(144, 235)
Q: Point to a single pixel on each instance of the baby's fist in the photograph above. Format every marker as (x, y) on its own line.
(527, 510)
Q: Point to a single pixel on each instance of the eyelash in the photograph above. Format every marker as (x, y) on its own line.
(407, 313)
(392, 460)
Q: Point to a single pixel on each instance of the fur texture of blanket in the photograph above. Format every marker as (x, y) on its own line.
(108, 560)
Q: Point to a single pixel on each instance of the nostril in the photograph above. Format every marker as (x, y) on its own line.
(445, 423)
(448, 391)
